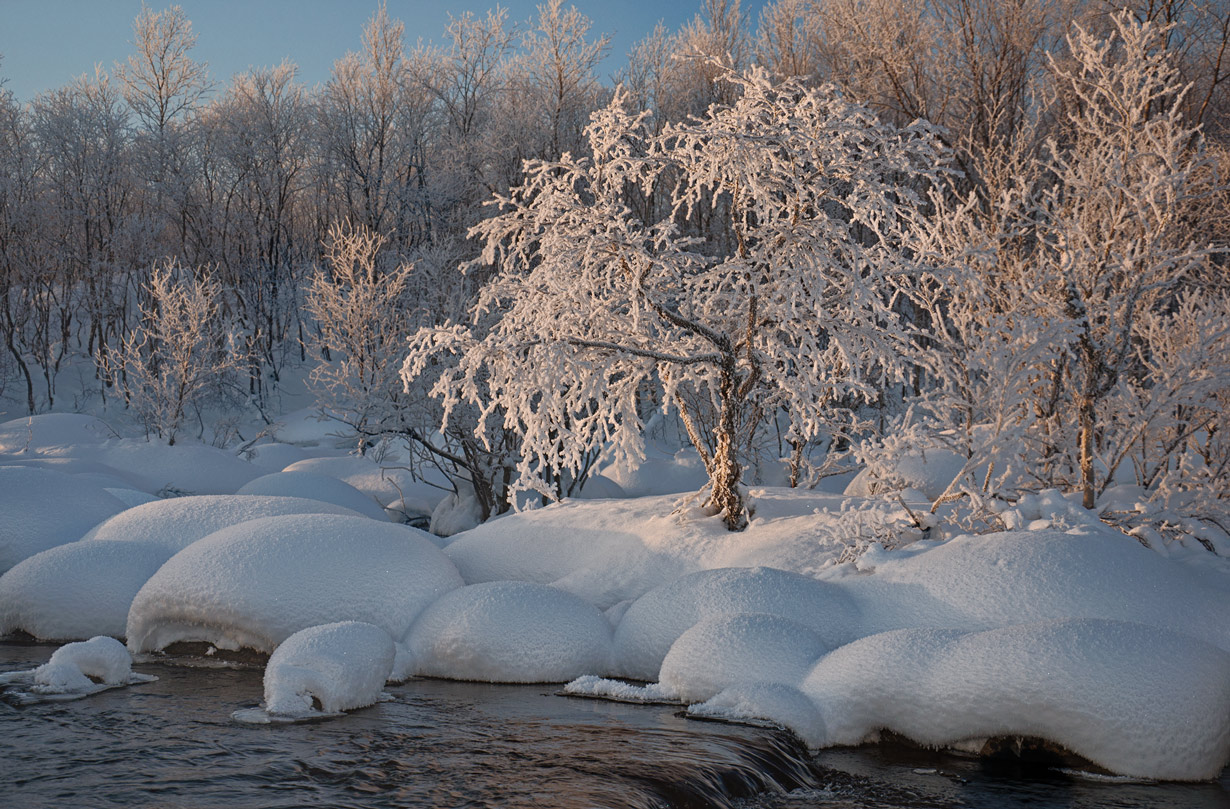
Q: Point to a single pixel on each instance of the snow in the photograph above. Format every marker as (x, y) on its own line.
(657, 619)
(313, 486)
(338, 666)
(515, 632)
(724, 650)
(178, 522)
(74, 671)
(384, 484)
(77, 590)
(457, 512)
(1134, 699)
(185, 468)
(41, 509)
(765, 702)
(50, 431)
(256, 583)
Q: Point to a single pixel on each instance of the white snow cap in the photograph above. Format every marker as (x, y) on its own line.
(71, 667)
(723, 650)
(314, 486)
(1134, 699)
(512, 632)
(41, 509)
(257, 583)
(77, 590)
(178, 522)
(655, 620)
(341, 666)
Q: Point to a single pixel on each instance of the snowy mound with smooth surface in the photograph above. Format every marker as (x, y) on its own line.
(40, 509)
(178, 522)
(513, 632)
(659, 473)
(1134, 699)
(180, 469)
(336, 666)
(384, 485)
(257, 583)
(723, 650)
(313, 486)
(657, 619)
(928, 473)
(52, 431)
(776, 703)
(77, 590)
(77, 670)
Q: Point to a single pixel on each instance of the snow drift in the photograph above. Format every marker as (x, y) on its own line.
(338, 667)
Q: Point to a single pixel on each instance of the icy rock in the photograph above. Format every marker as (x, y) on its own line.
(77, 590)
(313, 486)
(512, 632)
(775, 703)
(41, 509)
(71, 667)
(177, 523)
(1133, 699)
(338, 666)
(257, 583)
(723, 650)
(656, 620)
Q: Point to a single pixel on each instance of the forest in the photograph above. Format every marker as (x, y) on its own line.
(840, 234)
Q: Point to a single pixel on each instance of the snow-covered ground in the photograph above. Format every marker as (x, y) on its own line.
(832, 615)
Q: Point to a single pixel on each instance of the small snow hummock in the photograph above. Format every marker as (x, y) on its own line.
(656, 620)
(41, 509)
(80, 669)
(775, 703)
(257, 583)
(512, 632)
(323, 671)
(314, 486)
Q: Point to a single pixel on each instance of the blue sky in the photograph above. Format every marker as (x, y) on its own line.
(45, 43)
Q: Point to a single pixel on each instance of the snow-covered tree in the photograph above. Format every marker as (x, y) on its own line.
(590, 303)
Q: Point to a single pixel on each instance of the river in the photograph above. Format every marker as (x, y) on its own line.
(172, 744)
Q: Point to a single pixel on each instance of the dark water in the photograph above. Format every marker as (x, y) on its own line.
(438, 744)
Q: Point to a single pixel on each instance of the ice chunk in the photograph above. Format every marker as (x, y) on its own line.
(655, 620)
(177, 523)
(41, 509)
(1131, 698)
(77, 590)
(257, 583)
(774, 703)
(514, 632)
(726, 649)
(312, 486)
(336, 666)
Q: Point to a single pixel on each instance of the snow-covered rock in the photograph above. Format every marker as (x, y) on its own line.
(776, 703)
(336, 666)
(384, 485)
(657, 619)
(727, 649)
(313, 486)
(87, 666)
(52, 431)
(457, 512)
(178, 522)
(514, 632)
(77, 590)
(257, 583)
(1134, 699)
(181, 469)
(600, 487)
(40, 509)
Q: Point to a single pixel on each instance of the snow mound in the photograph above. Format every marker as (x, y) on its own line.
(51, 431)
(659, 473)
(457, 512)
(74, 671)
(40, 509)
(177, 523)
(723, 650)
(77, 590)
(275, 456)
(384, 485)
(1134, 699)
(656, 620)
(257, 583)
(513, 632)
(926, 473)
(337, 666)
(600, 487)
(181, 469)
(981, 582)
(313, 486)
(776, 703)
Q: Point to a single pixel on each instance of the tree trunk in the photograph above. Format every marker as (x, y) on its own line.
(725, 472)
(1085, 407)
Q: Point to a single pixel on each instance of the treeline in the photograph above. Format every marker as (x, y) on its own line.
(334, 221)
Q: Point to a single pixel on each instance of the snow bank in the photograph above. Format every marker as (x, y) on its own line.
(257, 583)
(77, 590)
(1131, 698)
(657, 619)
(52, 431)
(729, 649)
(337, 666)
(178, 522)
(313, 486)
(41, 509)
(514, 632)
